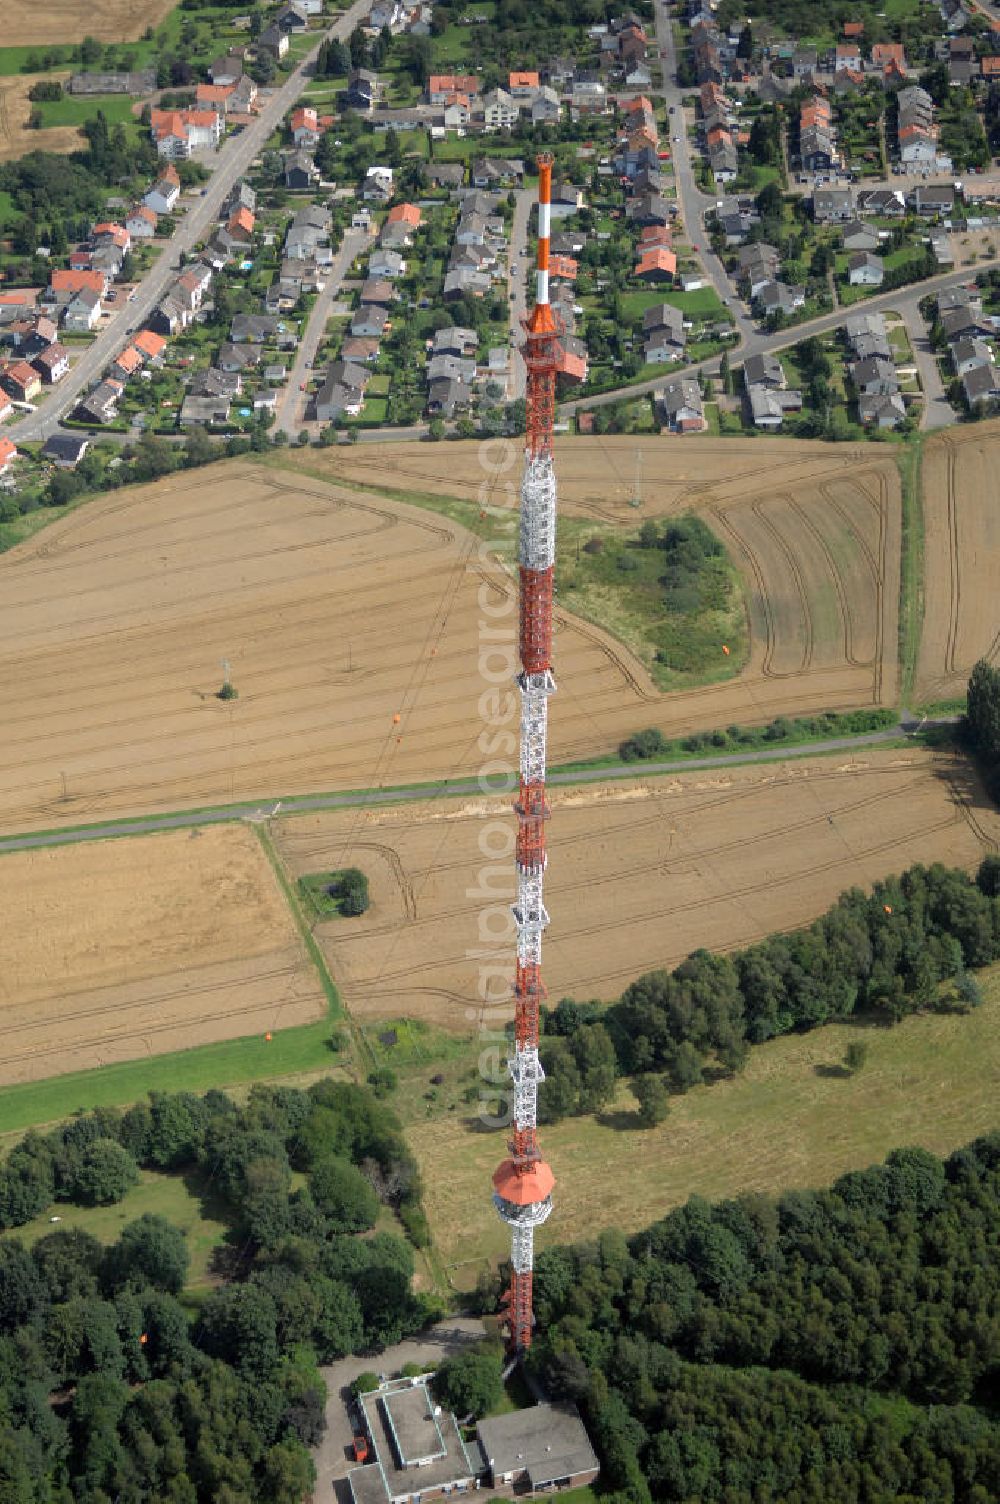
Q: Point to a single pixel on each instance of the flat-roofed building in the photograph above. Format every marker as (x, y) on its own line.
(418, 1451)
(538, 1449)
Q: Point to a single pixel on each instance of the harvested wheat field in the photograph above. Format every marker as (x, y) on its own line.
(60, 21)
(352, 625)
(118, 949)
(814, 530)
(962, 558)
(16, 138)
(640, 874)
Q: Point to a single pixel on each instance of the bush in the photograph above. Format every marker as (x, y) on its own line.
(643, 745)
(382, 1081)
(350, 888)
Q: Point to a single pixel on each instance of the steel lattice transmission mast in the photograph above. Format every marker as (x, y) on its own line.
(523, 1183)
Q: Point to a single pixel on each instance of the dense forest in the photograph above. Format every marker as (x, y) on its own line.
(828, 1346)
(116, 1386)
(905, 946)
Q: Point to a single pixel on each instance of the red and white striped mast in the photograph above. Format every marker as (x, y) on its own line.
(523, 1183)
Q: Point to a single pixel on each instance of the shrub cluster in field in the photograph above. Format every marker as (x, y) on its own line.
(888, 952)
(649, 744)
(343, 892)
(820, 1345)
(678, 578)
(982, 722)
(224, 1406)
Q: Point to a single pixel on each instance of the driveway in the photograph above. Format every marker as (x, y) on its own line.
(333, 1455)
(231, 161)
(938, 411)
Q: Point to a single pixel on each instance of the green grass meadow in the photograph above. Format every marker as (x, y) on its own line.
(186, 1201)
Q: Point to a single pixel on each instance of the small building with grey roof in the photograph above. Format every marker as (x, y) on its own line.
(541, 1448)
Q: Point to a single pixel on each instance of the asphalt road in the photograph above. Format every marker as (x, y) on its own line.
(228, 164)
(903, 301)
(517, 280)
(693, 202)
(293, 402)
(266, 809)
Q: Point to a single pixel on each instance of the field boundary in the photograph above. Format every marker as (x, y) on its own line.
(911, 563)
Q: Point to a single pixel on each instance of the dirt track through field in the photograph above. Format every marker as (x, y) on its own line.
(639, 876)
(340, 611)
(962, 552)
(119, 949)
(59, 22)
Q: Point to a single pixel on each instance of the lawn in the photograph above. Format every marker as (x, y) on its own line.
(703, 303)
(290, 1052)
(186, 1201)
(70, 110)
(794, 1118)
(8, 213)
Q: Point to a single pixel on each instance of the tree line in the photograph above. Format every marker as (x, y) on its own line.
(909, 944)
(113, 1384)
(829, 1345)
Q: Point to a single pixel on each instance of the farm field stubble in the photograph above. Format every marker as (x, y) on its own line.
(339, 611)
(15, 110)
(640, 874)
(120, 949)
(60, 21)
(962, 549)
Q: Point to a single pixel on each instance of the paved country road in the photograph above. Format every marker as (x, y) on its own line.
(259, 810)
(230, 163)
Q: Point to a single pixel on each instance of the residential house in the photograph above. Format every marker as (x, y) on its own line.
(875, 376)
(758, 265)
(950, 298)
(968, 352)
(658, 264)
(445, 397)
(151, 346)
(649, 209)
(778, 297)
(65, 450)
(21, 381)
(764, 370)
(884, 203)
(237, 233)
(500, 111)
(218, 383)
(545, 107)
(860, 237)
(126, 364)
(378, 184)
(52, 363)
(369, 321)
(680, 407)
(768, 405)
(883, 410)
(265, 401)
(203, 410)
(292, 19)
(847, 55)
(833, 206)
(227, 69)
(932, 199)
(886, 54)
(361, 91)
(253, 329)
(163, 195)
(233, 357)
(386, 263)
(141, 222)
(300, 170)
(334, 401)
(465, 282)
(213, 97)
(440, 86)
(723, 159)
(273, 40)
(981, 385)
(455, 341)
(865, 270)
(169, 316)
(8, 454)
(378, 292)
(522, 85)
(101, 404)
(305, 127)
(361, 350)
(83, 311)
